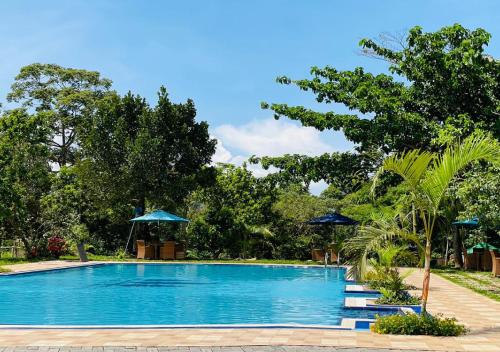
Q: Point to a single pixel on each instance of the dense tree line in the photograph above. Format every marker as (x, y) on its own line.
(76, 157)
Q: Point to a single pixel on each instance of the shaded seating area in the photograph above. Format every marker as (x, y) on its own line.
(167, 250)
(332, 251)
(484, 257)
(145, 251)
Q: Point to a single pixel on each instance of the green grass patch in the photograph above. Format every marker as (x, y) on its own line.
(477, 281)
(4, 270)
(106, 258)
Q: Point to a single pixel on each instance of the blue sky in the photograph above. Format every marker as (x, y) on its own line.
(223, 54)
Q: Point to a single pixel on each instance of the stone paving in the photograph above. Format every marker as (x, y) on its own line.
(479, 313)
(194, 349)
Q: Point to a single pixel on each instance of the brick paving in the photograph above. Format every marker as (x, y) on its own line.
(195, 349)
(479, 313)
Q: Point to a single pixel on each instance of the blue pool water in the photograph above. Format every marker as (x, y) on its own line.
(155, 294)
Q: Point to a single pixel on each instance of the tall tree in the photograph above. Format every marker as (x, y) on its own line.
(433, 78)
(24, 176)
(154, 156)
(67, 96)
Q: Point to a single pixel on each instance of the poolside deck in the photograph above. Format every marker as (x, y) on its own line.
(479, 313)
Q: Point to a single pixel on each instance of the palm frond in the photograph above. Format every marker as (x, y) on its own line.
(453, 160)
(411, 166)
(371, 239)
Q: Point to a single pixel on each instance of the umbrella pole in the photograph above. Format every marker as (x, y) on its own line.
(129, 236)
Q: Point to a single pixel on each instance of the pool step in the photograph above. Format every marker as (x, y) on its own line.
(359, 289)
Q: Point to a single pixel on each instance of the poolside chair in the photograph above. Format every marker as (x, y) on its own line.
(144, 251)
(495, 263)
(167, 251)
(180, 251)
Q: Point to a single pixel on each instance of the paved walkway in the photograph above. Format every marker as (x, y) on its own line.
(480, 314)
(47, 265)
(193, 349)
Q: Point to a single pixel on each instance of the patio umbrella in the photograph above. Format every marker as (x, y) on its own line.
(155, 216)
(333, 219)
(474, 222)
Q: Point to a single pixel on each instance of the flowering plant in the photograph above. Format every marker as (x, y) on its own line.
(56, 245)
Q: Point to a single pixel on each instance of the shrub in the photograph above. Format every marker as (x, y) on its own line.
(397, 298)
(56, 245)
(418, 324)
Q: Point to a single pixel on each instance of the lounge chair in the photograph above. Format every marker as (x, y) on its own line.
(144, 251)
(167, 251)
(180, 251)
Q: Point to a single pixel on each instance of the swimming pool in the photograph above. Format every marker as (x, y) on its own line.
(176, 294)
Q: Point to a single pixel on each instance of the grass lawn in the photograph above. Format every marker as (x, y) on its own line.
(479, 281)
(93, 257)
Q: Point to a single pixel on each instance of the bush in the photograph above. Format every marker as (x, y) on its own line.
(418, 324)
(56, 245)
(397, 298)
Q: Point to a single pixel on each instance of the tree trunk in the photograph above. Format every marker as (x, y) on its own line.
(81, 252)
(427, 276)
(457, 249)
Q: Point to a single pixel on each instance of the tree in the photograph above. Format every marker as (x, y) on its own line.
(346, 171)
(230, 210)
(433, 78)
(149, 156)
(67, 96)
(293, 237)
(445, 73)
(24, 176)
(67, 209)
(428, 177)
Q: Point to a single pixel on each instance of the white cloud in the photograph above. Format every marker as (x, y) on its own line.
(235, 144)
(222, 155)
(273, 138)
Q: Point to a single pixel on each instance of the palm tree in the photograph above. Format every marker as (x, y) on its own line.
(429, 175)
(381, 233)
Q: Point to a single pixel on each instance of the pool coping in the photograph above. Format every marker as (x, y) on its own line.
(98, 263)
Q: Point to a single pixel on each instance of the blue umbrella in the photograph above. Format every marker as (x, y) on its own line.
(474, 222)
(332, 219)
(155, 216)
(159, 216)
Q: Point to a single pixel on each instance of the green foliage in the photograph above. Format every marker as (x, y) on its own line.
(440, 69)
(226, 214)
(424, 102)
(363, 207)
(346, 171)
(428, 177)
(385, 276)
(479, 195)
(294, 238)
(374, 238)
(418, 324)
(150, 154)
(67, 96)
(24, 177)
(396, 298)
